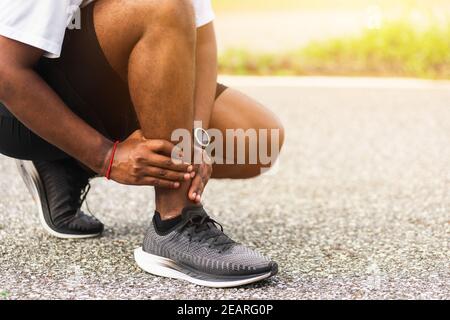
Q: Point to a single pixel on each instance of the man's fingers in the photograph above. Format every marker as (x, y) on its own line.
(161, 183)
(163, 147)
(196, 189)
(166, 174)
(167, 163)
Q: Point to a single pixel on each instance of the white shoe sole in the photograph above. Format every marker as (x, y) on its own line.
(34, 185)
(164, 267)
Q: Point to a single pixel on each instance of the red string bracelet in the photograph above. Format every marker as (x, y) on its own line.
(108, 172)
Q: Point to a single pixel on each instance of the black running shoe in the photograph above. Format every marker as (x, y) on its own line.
(60, 188)
(196, 250)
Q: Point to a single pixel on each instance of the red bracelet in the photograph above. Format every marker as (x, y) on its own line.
(108, 172)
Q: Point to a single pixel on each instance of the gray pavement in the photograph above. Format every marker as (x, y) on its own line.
(359, 209)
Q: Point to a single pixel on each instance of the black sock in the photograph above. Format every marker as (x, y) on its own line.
(165, 225)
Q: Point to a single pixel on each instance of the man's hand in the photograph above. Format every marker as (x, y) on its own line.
(203, 174)
(141, 161)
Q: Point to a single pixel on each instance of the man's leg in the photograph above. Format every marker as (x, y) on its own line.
(234, 110)
(155, 54)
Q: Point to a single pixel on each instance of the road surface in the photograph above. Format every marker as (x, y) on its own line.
(358, 209)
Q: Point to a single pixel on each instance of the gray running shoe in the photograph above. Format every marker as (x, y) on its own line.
(59, 189)
(195, 250)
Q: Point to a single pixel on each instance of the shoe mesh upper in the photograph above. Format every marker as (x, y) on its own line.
(200, 256)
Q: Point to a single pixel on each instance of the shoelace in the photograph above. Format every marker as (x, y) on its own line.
(200, 226)
(80, 190)
(83, 198)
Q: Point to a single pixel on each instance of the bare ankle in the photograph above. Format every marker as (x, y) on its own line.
(168, 214)
(170, 204)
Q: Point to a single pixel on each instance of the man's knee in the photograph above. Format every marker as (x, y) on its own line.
(267, 154)
(276, 131)
(275, 146)
(178, 13)
(282, 132)
(174, 15)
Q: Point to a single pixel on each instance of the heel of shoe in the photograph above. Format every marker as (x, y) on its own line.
(29, 175)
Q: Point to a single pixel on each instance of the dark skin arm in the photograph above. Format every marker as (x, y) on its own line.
(37, 106)
(34, 103)
(205, 92)
(206, 74)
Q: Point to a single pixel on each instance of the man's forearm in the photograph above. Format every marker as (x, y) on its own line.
(206, 74)
(38, 107)
(205, 93)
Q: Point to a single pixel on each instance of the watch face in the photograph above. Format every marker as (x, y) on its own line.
(201, 137)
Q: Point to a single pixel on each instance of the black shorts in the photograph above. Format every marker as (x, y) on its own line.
(89, 86)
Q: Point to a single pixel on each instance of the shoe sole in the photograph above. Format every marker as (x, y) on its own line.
(36, 188)
(168, 268)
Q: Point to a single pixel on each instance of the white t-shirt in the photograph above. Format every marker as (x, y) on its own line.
(42, 23)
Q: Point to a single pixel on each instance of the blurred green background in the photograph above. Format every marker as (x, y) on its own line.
(406, 38)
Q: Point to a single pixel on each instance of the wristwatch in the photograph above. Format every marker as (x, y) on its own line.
(201, 138)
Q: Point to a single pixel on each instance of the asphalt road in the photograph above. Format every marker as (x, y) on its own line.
(359, 208)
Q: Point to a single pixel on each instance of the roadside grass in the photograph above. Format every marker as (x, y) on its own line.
(396, 49)
(270, 5)
(4, 295)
